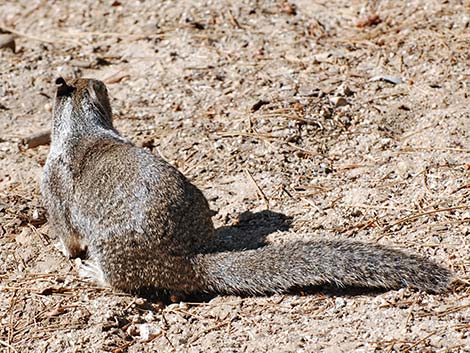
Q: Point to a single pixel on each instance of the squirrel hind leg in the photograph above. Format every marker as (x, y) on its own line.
(91, 271)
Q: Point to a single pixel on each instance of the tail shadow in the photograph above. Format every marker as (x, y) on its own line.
(251, 230)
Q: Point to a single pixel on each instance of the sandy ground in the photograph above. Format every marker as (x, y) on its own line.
(297, 119)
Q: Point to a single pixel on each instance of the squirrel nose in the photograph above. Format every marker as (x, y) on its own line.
(62, 88)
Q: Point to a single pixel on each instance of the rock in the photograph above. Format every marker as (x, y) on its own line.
(339, 101)
(344, 91)
(340, 302)
(144, 331)
(390, 79)
(24, 238)
(309, 91)
(7, 41)
(80, 63)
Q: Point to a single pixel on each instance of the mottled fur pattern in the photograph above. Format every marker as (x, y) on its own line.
(144, 225)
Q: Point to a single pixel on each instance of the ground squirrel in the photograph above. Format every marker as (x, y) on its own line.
(142, 224)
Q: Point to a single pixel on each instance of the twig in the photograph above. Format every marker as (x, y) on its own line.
(415, 132)
(418, 215)
(247, 134)
(11, 325)
(293, 145)
(38, 139)
(445, 312)
(311, 203)
(430, 149)
(233, 20)
(222, 324)
(375, 207)
(116, 77)
(114, 34)
(3, 343)
(418, 342)
(260, 192)
(28, 36)
(168, 340)
(123, 347)
(279, 114)
(268, 137)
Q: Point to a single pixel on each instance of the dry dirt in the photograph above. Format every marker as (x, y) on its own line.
(307, 118)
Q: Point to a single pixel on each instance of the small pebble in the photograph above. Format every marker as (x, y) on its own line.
(340, 302)
(140, 301)
(344, 90)
(339, 101)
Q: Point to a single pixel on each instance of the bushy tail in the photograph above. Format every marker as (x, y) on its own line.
(274, 269)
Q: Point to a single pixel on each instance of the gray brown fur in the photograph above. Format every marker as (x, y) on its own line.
(143, 224)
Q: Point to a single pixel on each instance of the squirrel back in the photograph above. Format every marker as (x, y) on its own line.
(142, 224)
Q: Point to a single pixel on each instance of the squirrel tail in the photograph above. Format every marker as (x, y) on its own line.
(277, 268)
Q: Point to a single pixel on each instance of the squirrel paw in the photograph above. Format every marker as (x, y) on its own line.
(71, 252)
(59, 246)
(90, 271)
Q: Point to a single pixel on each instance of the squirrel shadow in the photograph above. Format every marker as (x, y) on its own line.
(250, 233)
(167, 298)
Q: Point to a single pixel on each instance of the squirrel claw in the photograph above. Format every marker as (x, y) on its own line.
(90, 271)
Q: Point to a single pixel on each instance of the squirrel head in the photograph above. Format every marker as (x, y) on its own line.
(81, 104)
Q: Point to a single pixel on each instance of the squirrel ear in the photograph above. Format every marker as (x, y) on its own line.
(62, 88)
